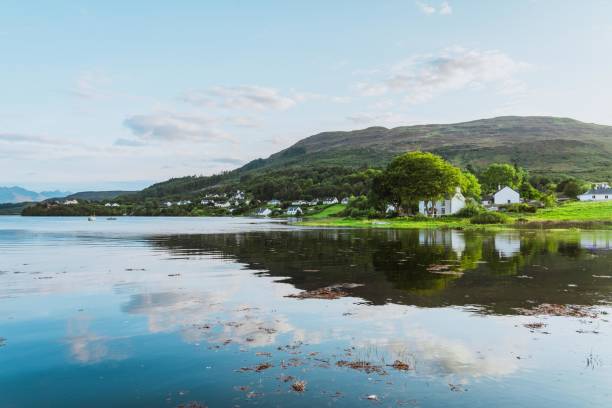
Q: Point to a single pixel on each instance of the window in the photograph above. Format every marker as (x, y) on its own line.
(593, 197)
(508, 201)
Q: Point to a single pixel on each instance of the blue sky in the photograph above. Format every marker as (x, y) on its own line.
(115, 94)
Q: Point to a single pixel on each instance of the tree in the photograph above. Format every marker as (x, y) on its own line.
(418, 176)
(500, 175)
(571, 187)
(527, 191)
(470, 186)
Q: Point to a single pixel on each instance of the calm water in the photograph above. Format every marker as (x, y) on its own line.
(154, 312)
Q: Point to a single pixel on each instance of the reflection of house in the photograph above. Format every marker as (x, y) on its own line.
(457, 241)
(596, 240)
(447, 206)
(448, 238)
(507, 244)
(599, 192)
(264, 212)
(294, 211)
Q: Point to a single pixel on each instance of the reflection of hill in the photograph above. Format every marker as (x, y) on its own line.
(500, 271)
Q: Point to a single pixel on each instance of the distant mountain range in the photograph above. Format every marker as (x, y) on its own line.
(550, 146)
(19, 194)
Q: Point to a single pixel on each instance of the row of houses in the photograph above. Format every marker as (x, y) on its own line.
(310, 203)
(451, 205)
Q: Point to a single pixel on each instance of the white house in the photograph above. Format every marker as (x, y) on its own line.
(315, 202)
(183, 202)
(71, 202)
(331, 200)
(206, 202)
(223, 205)
(506, 195)
(447, 206)
(390, 209)
(294, 211)
(111, 205)
(600, 192)
(344, 201)
(168, 203)
(300, 202)
(274, 202)
(239, 196)
(264, 212)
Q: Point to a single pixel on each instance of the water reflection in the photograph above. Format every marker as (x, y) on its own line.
(497, 272)
(116, 319)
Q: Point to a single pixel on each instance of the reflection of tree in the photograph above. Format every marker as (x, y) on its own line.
(500, 271)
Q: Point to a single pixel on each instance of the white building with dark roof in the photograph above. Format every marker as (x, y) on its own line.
(599, 192)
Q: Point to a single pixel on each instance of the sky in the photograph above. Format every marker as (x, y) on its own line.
(118, 95)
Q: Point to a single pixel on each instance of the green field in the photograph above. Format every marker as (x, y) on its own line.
(576, 211)
(328, 212)
(570, 215)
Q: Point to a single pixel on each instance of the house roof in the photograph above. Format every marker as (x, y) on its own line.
(505, 187)
(597, 191)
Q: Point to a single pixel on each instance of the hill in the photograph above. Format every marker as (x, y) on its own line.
(17, 194)
(98, 195)
(550, 146)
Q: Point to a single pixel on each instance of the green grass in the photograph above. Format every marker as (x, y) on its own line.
(570, 215)
(401, 222)
(327, 212)
(575, 211)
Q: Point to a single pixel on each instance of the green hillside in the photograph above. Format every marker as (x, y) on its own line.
(550, 146)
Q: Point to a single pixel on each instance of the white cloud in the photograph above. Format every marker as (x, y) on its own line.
(31, 139)
(90, 85)
(426, 8)
(446, 8)
(423, 77)
(240, 97)
(167, 126)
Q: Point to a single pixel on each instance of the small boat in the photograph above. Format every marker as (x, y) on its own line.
(111, 218)
(91, 218)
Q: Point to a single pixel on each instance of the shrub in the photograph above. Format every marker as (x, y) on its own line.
(520, 208)
(489, 218)
(419, 217)
(469, 211)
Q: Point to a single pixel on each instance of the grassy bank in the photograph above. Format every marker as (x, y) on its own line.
(570, 215)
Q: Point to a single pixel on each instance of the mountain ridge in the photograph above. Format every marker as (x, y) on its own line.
(544, 145)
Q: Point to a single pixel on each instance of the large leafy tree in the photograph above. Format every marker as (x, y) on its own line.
(416, 176)
(500, 175)
(470, 186)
